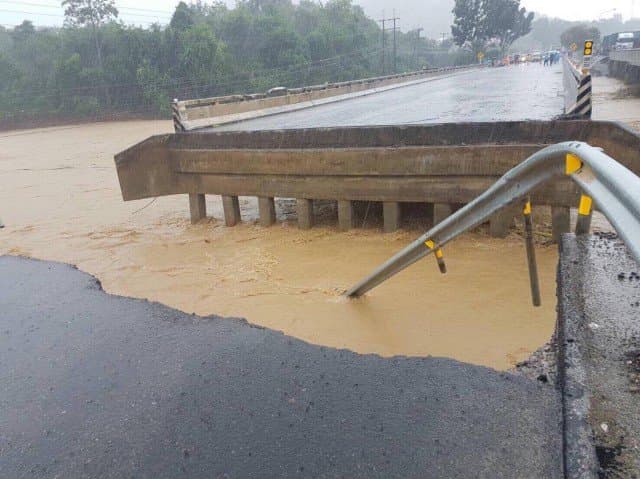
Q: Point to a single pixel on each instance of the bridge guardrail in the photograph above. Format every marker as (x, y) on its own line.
(614, 189)
(625, 64)
(631, 56)
(207, 112)
(577, 90)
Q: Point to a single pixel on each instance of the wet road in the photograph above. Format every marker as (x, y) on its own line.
(518, 92)
(599, 293)
(103, 386)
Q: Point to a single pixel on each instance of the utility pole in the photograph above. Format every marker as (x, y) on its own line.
(384, 43)
(395, 56)
(415, 46)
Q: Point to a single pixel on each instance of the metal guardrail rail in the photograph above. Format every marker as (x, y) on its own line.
(614, 189)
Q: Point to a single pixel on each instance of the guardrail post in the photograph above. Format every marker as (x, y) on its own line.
(177, 117)
(391, 216)
(560, 221)
(304, 209)
(197, 207)
(531, 255)
(231, 209)
(585, 210)
(345, 215)
(266, 211)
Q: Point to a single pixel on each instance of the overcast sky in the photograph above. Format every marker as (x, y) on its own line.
(144, 12)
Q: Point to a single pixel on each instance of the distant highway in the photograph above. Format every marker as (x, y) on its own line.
(518, 92)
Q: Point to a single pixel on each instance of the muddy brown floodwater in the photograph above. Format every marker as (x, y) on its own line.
(60, 200)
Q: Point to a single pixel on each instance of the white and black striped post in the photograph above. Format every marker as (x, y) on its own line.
(583, 106)
(177, 119)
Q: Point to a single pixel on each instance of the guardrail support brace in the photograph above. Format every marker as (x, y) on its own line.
(531, 255)
(197, 207)
(231, 208)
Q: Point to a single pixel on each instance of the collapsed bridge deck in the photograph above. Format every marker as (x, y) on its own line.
(444, 165)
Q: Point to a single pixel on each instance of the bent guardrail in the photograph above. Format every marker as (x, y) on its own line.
(614, 189)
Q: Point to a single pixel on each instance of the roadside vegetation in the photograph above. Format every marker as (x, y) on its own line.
(96, 66)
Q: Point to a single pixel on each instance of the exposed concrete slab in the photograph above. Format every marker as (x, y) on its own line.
(391, 213)
(266, 211)
(560, 221)
(304, 210)
(95, 385)
(345, 215)
(231, 209)
(197, 207)
(599, 307)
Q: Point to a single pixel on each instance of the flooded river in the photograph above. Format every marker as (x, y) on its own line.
(60, 200)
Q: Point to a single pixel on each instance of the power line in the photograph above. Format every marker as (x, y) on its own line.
(60, 15)
(58, 7)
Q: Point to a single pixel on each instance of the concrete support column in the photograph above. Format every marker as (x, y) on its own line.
(197, 207)
(441, 211)
(391, 216)
(345, 215)
(231, 208)
(501, 222)
(304, 209)
(267, 211)
(560, 221)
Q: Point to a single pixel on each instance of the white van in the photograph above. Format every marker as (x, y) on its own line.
(624, 41)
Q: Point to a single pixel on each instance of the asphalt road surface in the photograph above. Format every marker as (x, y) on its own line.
(520, 92)
(95, 385)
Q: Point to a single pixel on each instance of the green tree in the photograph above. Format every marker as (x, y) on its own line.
(182, 17)
(469, 27)
(24, 31)
(91, 13)
(506, 21)
(578, 34)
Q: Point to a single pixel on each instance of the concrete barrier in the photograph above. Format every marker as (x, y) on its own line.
(444, 165)
(208, 112)
(625, 64)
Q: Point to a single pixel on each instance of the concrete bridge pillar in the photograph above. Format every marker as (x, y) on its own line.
(231, 208)
(441, 211)
(266, 211)
(304, 209)
(501, 222)
(391, 216)
(197, 207)
(560, 221)
(345, 215)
